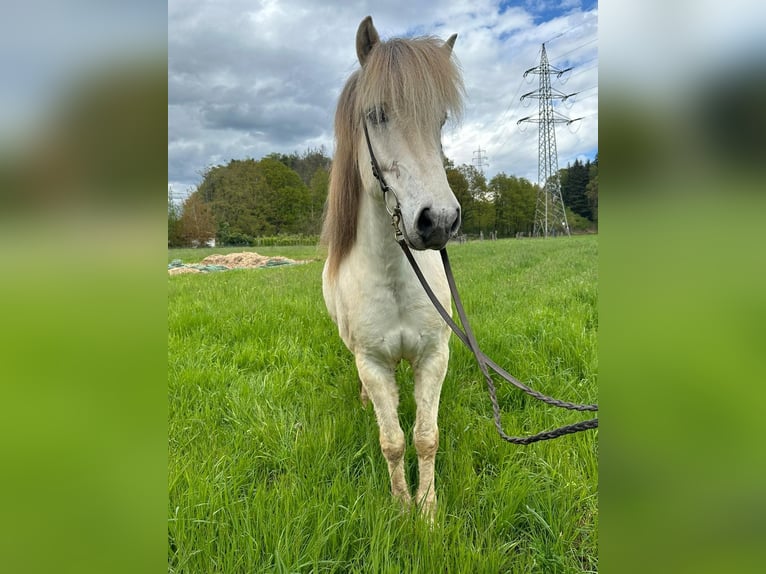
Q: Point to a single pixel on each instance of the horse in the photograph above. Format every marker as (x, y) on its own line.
(393, 108)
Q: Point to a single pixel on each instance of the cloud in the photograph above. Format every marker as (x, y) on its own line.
(247, 79)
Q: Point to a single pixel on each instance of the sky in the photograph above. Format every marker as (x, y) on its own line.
(247, 78)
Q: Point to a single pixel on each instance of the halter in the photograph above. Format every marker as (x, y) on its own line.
(396, 212)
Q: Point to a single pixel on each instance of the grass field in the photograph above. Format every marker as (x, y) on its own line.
(274, 466)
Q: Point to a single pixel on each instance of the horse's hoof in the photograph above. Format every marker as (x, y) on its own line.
(427, 508)
(404, 499)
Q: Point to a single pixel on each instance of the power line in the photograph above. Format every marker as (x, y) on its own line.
(513, 100)
(588, 61)
(588, 89)
(574, 27)
(508, 133)
(582, 71)
(502, 116)
(560, 56)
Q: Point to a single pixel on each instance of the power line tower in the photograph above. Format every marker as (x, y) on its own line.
(480, 159)
(550, 215)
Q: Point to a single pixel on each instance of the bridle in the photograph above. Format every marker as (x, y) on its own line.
(467, 337)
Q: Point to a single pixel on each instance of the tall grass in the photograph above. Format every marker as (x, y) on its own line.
(274, 465)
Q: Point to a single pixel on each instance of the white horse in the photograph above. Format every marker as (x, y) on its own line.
(403, 92)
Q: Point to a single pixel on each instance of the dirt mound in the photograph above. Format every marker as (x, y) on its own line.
(218, 262)
(245, 260)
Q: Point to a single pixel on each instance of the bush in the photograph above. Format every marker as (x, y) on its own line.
(282, 240)
(226, 236)
(578, 223)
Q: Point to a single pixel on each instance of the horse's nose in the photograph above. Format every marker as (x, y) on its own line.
(436, 226)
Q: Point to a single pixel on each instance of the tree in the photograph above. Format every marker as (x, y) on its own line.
(284, 197)
(230, 192)
(257, 198)
(197, 222)
(459, 185)
(305, 164)
(574, 180)
(175, 238)
(483, 200)
(577, 222)
(318, 187)
(591, 190)
(514, 202)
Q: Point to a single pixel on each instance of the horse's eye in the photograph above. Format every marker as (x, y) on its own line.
(377, 116)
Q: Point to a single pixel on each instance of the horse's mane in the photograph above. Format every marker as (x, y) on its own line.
(416, 81)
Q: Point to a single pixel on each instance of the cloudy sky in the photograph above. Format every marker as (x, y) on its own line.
(250, 77)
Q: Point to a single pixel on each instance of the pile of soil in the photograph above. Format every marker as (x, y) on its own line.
(244, 260)
(249, 259)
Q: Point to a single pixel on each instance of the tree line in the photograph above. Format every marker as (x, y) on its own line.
(283, 196)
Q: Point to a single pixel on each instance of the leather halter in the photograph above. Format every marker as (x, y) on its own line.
(396, 212)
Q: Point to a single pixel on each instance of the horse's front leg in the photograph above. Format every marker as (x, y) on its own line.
(379, 382)
(429, 375)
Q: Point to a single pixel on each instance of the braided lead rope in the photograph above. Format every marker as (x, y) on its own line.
(469, 340)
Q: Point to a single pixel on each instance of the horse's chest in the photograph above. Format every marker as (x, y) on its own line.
(382, 310)
(396, 320)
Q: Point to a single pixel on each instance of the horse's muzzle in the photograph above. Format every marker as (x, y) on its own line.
(434, 227)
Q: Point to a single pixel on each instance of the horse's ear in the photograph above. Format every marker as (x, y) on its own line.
(366, 38)
(450, 43)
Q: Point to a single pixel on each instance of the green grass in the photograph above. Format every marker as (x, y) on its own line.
(274, 466)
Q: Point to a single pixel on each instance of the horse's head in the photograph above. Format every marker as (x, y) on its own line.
(405, 91)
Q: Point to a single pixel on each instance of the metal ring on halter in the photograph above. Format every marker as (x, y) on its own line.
(396, 210)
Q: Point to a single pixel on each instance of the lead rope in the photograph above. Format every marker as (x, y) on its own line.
(469, 340)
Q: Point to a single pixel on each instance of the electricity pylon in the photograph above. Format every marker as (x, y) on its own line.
(480, 159)
(550, 215)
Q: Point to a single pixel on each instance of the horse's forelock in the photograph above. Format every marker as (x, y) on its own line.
(417, 80)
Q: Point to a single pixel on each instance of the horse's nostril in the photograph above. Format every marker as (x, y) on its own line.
(424, 223)
(455, 224)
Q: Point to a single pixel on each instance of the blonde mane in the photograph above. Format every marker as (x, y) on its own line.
(416, 81)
